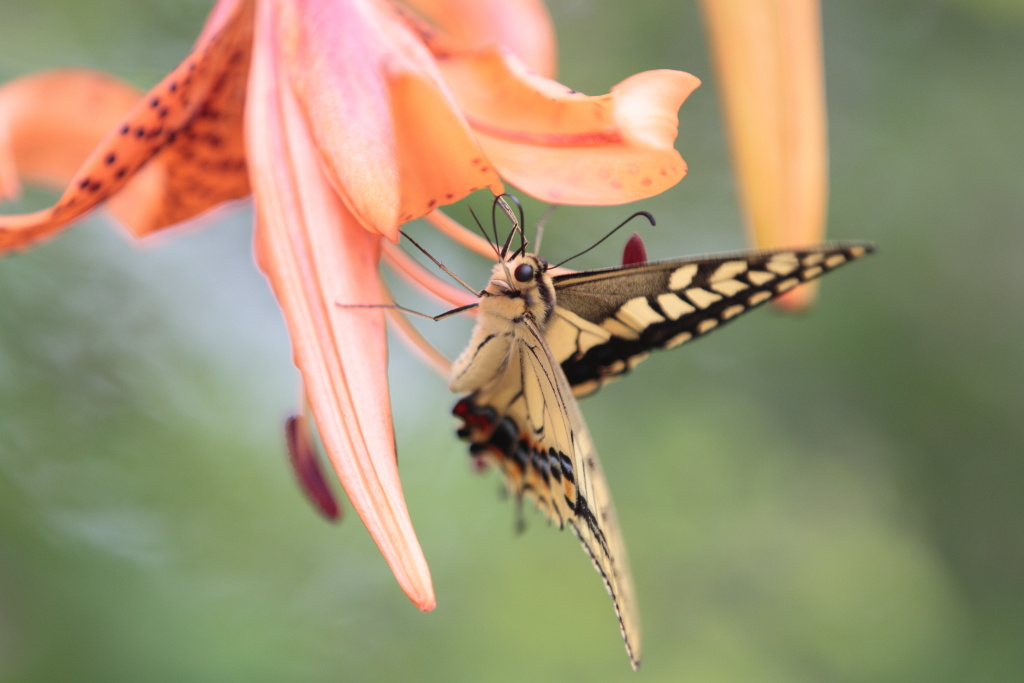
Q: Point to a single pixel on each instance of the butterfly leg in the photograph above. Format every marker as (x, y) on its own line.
(403, 309)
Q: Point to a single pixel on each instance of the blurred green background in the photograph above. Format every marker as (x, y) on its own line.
(829, 497)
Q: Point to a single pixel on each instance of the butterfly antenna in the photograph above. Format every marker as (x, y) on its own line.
(611, 232)
(494, 243)
(439, 264)
(480, 226)
(517, 225)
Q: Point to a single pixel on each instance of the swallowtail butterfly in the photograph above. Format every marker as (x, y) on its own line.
(542, 340)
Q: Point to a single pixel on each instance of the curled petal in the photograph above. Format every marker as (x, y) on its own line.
(769, 59)
(523, 26)
(176, 153)
(39, 141)
(317, 255)
(564, 147)
(389, 135)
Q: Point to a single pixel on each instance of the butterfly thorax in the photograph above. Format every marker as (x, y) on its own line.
(520, 292)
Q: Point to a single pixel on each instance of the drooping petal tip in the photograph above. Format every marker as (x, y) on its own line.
(564, 147)
(319, 256)
(768, 57)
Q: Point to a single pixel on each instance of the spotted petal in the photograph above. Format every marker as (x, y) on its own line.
(176, 153)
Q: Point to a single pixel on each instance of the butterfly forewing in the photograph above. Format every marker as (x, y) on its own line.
(607, 321)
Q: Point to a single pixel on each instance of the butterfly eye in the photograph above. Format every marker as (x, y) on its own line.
(544, 263)
(523, 272)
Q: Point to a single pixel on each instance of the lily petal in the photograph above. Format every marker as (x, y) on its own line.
(38, 141)
(522, 26)
(769, 59)
(177, 152)
(317, 254)
(389, 134)
(565, 147)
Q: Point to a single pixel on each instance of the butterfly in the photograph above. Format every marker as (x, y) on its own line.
(542, 340)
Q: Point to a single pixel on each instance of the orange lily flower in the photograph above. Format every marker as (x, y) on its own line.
(344, 119)
(768, 55)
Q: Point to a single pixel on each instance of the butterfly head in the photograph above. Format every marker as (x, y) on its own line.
(523, 287)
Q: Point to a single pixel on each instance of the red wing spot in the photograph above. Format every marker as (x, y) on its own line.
(449, 196)
(485, 169)
(664, 172)
(431, 204)
(646, 181)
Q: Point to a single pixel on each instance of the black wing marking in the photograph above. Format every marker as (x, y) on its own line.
(606, 321)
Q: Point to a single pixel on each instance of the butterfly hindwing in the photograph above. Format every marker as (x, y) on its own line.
(607, 321)
(526, 422)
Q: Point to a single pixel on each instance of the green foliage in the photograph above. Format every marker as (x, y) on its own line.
(831, 497)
